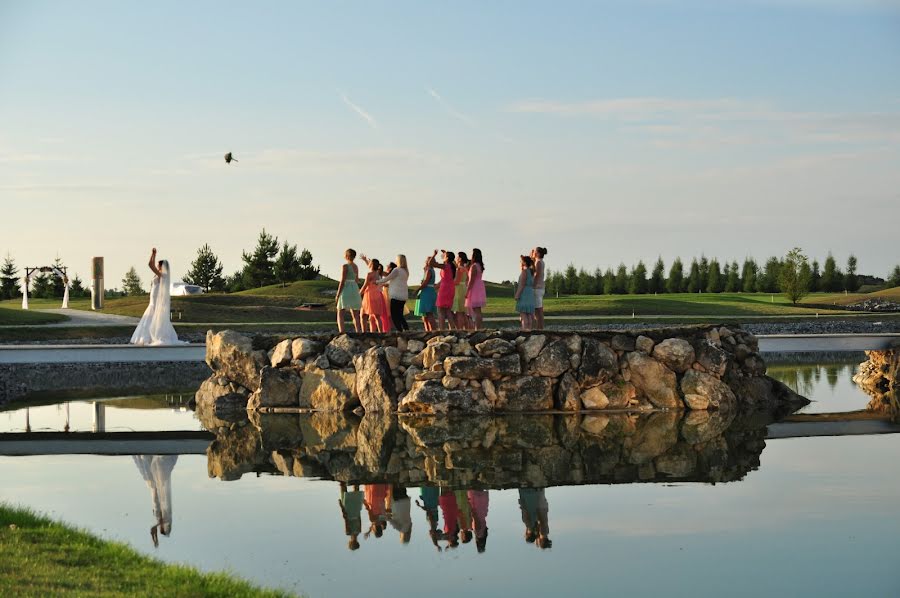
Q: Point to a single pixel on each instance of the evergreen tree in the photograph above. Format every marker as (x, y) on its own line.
(749, 273)
(851, 280)
(9, 279)
(893, 279)
(675, 282)
(58, 284)
(307, 270)
(259, 266)
(815, 278)
(206, 271)
(638, 283)
(693, 284)
(609, 282)
(657, 283)
(597, 282)
(732, 280)
(42, 286)
(235, 282)
(584, 284)
(704, 273)
(793, 275)
(131, 284)
(714, 281)
(287, 266)
(571, 286)
(76, 288)
(620, 284)
(768, 281)
(831, 277)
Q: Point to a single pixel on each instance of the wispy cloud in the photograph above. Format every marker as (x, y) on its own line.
(448, 108)
(358, 109)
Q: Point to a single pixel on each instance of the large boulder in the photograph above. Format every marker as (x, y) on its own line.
(552, 361)
(704, 391)
(220, 402)
(374, 381)
(495, 346)
(594, 398)
(431, 398)
(281, 355)
(341, 349)
(567, 396)
(531, 347)
(435, 353)
(675, 353)
(653, 380)
(232, 355)
(598, 362)
(278, 387)
(616, 394)
(329, 390)
(713, 359)
(527, 393)
(301, 348)
(479, 368)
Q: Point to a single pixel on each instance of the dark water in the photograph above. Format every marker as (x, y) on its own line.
(792, 516)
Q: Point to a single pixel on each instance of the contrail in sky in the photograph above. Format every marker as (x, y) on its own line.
(362, 113)
(450, 109)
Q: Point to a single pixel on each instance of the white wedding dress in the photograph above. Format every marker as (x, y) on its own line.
(155, 327)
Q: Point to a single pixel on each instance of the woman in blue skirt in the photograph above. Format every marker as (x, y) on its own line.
(426, 296)
(525, 292)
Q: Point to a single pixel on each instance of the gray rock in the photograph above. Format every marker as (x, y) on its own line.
(431, 398)
(435, 353)
(713, 359)
(329, 389)
(281, 355)
(410, 376)
(494, 346)
(414, 346)
(341, 350)
(527, 393)
(478, 368)
(644, 344)
(231, 355)
(653, 380)
(567, 397)
(393, 355)
(302, 348)
(675, 353)
(622, 342)
(716, 393)
(374, 382)
(594, 398)
(531, 347)
(754, 365)
(322, 362)
(552, 361)
(277, 388)
(598, 363)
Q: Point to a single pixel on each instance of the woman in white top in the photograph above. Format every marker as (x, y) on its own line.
(398, 289)
(537, 254)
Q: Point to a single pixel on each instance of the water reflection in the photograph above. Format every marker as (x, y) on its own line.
(157, 473)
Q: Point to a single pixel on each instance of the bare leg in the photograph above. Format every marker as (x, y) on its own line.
(374, 323)
(356, 319)
(340, 320)
(479, 320)
(539, 318)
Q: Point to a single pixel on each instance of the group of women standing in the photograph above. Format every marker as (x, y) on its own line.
(379, 305)
(530, 289)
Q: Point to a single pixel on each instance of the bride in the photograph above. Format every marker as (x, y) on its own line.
(155, 327)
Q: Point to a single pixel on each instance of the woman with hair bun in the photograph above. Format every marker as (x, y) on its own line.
(537, 254)
(348, 298)
(447, 288)
(525, 293)
(476, 296)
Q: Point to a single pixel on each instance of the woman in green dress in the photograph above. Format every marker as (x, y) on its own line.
(426, 296)
(525, 293)
(348, 298)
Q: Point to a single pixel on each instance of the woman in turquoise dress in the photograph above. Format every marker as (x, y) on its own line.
(525, 293)
(426, 296)
(348, 298)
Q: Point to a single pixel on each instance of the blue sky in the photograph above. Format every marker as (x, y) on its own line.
(606, 131)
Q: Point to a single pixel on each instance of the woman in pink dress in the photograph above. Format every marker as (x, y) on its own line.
(447, 289)
(372, 298)
(476, 296)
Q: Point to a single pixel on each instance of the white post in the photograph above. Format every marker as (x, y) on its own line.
(25, 294)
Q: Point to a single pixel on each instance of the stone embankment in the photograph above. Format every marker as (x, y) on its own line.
(694, 368)
(879, 376)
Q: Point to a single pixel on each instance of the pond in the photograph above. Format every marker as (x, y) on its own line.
(644, 505)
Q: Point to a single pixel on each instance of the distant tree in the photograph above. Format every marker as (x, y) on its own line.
(287, 265)
(793, 275)
(657, 282)
(570, 277)
(637, 285)
(58, 284)
(235, 282)
(620, 285)
(815, 278)
(259, 266)
(694, 280)
(675, 282)
(131, 284)
(732, 279)
(76, 288)
(832, 279)
(715, 283)
(704, 272)
(893, 279)
(609, 282)
(585, 285)
(307, 270)
(768, 281)
(597, 282)
(42, 286)
(206, 271)
(749, 272)
(9, 279)
(851, 280)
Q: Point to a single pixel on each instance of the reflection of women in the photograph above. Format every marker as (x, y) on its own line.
(400, 516)
(429, 504)
(157, 472)
(535, 512)
(155, 327)
(478, 502)
(351, 503)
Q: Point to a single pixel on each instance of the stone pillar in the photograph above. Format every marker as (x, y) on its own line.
(99, 417)
(97, 283)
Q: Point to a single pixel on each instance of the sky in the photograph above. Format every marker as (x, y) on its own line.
(606, 131)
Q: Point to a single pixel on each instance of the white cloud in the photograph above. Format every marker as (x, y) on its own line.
(362, 113)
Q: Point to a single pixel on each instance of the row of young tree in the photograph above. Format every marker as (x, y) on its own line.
(43, 285)
(706, 276)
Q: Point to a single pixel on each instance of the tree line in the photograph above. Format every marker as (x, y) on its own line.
(706, 275)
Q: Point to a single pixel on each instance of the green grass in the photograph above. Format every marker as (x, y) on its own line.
(14, 315)
(44, 558)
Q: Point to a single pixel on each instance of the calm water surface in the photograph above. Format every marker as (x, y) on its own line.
(819, 516)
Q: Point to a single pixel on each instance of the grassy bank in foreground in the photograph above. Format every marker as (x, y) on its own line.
(44, 558)
(15, 317)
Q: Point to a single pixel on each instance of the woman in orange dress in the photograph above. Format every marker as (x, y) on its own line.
(373, 299)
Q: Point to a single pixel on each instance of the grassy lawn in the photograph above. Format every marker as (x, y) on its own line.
(10, 315)
(44, 558)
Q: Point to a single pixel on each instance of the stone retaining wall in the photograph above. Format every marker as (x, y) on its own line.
(697, 368)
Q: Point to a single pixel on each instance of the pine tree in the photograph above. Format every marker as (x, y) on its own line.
(793, 275)
(259, 266)
(609, 282)
(806, 274)
(851, 280)
(585, 284)
(58, 284)
(675, 282)
(76, 288)
(733, 280)
(749, 273)
(206, 271)
(815, 278)
(9, 280)
(571, 278)
(620, 285)
(131, 284)
(693, 284)
(597, 282)
(768, 282)
(714, 280)
(638, 283)
(287, 265)
(42, 286)
(307, 270)
(657, 283)
(832, 279)
(894, 277)
(704, 272)
(235, 282)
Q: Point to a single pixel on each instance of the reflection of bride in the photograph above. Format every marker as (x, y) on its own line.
(155, 327)
(157, 472)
